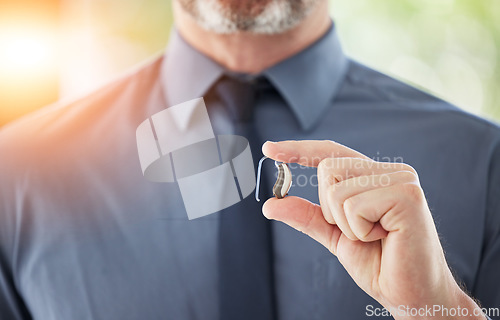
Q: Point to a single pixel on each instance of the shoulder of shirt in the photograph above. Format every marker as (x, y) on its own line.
(143, 74)
(369, 85)
(66, 114)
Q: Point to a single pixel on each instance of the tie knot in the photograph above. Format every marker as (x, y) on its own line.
(238, 93)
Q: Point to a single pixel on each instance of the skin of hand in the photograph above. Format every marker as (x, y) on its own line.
(374, 217)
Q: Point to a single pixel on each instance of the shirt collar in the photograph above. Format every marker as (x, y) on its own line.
(307, 81)
(186, 72)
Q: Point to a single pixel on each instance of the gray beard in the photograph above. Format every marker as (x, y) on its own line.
(276, 17)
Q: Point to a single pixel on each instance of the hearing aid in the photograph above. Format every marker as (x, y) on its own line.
(283, 182)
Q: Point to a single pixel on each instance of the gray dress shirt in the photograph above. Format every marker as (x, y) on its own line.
(83, 235)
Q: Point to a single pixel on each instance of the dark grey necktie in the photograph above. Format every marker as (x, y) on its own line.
(246, 285)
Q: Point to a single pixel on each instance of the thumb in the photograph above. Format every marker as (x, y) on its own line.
(305, 217)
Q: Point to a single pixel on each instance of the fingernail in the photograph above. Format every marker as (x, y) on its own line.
(264, 210)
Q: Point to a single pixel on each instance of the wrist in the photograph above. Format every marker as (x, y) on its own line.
(456, 305)
(465, 306)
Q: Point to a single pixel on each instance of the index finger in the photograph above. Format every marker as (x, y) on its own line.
(308, 153)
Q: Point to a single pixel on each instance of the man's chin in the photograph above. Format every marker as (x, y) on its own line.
(253, 16)
(245, 9)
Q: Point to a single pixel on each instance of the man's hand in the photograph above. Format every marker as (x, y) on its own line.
(374, 217)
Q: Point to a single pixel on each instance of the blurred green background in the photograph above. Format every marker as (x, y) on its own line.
(450, 48)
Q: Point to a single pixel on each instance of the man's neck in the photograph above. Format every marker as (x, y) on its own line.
(251, 53)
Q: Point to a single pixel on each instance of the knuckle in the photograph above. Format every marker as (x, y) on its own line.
(335, 196)
(408, 176)
(330, 143)
(413, 192)
(324, 165)
(328, 217)
(407, 167)
(327, 208)
(363, 235)
(326, 171)
(349, 205)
